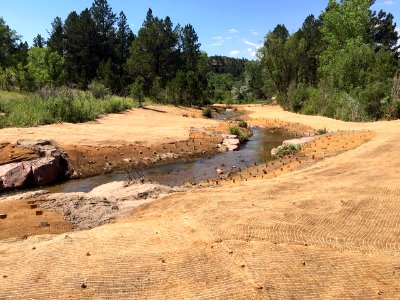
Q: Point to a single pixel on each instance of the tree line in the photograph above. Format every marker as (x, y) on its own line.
(96, 49)
(340, 64)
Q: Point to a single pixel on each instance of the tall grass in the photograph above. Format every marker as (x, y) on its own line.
(65, 106)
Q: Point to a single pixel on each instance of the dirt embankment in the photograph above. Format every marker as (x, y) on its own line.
(94, 160)
(324, 146)
(140, 137)
(10, 153)
(113, 201)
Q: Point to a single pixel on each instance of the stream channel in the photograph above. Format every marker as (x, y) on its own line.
(257, 149)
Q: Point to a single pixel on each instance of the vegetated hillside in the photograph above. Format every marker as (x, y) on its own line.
(224, 64)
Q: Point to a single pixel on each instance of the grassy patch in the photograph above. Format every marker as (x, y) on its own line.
(207, 112)
(287, 150)
(321, 131)
(66, 106)
(242, 136)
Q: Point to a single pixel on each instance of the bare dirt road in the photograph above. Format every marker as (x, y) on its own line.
(330, 230)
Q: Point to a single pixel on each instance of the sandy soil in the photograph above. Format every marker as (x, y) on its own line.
(153, 125)
(10, 153)
(329, 230)
(22, 220)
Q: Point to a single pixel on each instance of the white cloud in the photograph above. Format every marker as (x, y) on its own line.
(234, 52)
(251, 52)
(233, 30)
(218, 41)
(253, 32)
(254, 45)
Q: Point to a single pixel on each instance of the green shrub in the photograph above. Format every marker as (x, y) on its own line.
(287, 150)
(242, 136)
(241, 123)
(321, 131)
(207, 112)
(98, 90)
(297, 97)
(115, 105)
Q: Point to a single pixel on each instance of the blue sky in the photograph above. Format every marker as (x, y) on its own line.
(233, 28)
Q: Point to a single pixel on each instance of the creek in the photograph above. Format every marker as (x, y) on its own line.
(257, 149)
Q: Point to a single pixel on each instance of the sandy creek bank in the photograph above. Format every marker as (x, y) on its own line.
(325, 227)
(115, 200)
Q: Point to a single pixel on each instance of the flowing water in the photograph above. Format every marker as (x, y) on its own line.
(257, 149)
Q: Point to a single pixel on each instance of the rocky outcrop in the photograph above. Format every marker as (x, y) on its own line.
(49, 168)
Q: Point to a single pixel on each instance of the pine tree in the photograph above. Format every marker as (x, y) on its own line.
(105, 20)
(125, 38)
(81, 48)
(39, 41)
(383, 31)
(190, 47)
(311, 39)
(56, 39)
(155, 51)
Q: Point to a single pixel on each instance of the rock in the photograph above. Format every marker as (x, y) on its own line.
(230, 142)
(44, 224)
(47, 170)
(234, 141)
(308, 138)
(45, 148)
(54, 152)
(168, 156)
(15, 175)
(229, 136)
(232, 147)
(220, 171)
(33, 144)
(301, 141)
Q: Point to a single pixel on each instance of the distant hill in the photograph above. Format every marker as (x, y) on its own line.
(224, 64)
